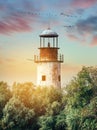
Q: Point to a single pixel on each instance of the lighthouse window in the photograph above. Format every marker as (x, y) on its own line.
(43, 78)
(59, 78)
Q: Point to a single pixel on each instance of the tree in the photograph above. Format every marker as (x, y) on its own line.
(53, 122)
(44, 98)
(24, 92)
(40, 99)
(5, 95)
(89, 116)
(16, 116)
(61, 121)
(53, 108)
(46, 123)
(79, 94)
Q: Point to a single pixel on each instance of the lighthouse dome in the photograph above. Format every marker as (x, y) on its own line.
(48, 33)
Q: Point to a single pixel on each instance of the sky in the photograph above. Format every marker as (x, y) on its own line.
(21, 23)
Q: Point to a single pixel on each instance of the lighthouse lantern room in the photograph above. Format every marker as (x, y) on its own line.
(48, 61)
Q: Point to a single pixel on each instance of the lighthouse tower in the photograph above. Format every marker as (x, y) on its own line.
(49, 61)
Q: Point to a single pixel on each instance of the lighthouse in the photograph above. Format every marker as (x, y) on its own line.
(49, 61)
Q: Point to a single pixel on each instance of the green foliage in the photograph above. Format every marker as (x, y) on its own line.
(46, 122)
(80, 93)
(5, 95)
(28, 104)
(40, 98)
(80, 90)
(48, 108)
(61, 121)
(53, 122)
(53, 108)
(89, 116)
(24, 92)
(43, 98)
(17, 116)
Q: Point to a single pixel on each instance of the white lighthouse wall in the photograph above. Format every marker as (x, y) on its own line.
(51, 71)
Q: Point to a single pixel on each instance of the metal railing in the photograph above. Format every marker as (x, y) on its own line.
(38, 59)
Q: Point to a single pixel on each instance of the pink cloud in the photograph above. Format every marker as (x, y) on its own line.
(23, 21)
(83, 3)
(15, 24)
(72, 37)
(15, 16)
(94, 41)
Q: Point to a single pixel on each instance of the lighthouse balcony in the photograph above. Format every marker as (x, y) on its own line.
(38, 59)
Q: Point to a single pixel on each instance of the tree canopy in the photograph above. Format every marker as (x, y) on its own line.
(27, 107)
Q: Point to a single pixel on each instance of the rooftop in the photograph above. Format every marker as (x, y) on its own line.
(48, 33)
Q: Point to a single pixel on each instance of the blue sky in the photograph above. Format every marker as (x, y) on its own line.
(22, 21)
